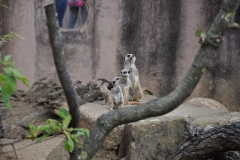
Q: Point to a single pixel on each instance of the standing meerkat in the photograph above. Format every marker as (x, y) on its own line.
(113, 98)
(136, 92)
(125, 84)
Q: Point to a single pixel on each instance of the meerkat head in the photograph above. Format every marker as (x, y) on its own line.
(115, 80)
(125, 73)
(130, 58)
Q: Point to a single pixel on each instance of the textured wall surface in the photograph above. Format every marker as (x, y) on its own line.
(161, 33)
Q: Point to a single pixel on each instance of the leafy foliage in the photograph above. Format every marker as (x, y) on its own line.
(8, 37)
(10, 75)
(54, 127)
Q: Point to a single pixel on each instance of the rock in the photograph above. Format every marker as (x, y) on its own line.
(159, 137)
(89, 114)
(29, 149)
(206, 102)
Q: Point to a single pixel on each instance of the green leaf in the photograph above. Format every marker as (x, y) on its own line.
(5, 99)
(33, 130)
(198, 32)
(69, 145)
(63, 113)
(29, 136)
(42, 137)
(83, 130)
(83, 155)
(76, 135)
(66, 121)
(9, 84)
(45, 128)
(12, 64)
(6, 59)
(1, 78)
(4, 6)
(17, 74)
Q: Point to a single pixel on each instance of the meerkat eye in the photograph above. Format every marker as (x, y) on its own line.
(128, 71)
(133, 55)
(124, 72)
(117, 78)
(128, 55)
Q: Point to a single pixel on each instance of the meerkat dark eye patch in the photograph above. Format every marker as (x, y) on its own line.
(125, 72)
(128, 71)
(117, 78)
(128, 55)
(132, 55)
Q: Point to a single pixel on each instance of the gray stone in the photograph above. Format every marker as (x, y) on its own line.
(159, 137)
(89, 114)
(30, 150)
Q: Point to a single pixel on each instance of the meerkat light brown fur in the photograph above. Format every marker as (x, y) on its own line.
(136, 92)
(113, 98)
(125, 84)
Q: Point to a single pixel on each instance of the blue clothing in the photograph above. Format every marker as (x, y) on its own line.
(73, 16)
(61, 6)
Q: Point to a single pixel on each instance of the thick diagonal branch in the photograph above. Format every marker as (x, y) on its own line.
(106, 122)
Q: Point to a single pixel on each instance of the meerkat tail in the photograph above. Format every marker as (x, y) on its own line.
(147, 90)
(104, 89)
(104, 80)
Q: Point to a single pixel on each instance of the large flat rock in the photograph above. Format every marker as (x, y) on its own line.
(89, 114)
(156, 137)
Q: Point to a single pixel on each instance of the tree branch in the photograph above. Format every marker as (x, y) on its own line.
(60, 63)
(106, 122)
(206, 143)
(234, 25)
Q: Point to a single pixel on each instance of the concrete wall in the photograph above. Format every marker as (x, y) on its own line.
(160, 33)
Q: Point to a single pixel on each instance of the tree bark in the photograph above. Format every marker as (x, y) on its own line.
(60, 63)
(106, 122)
(205, 143)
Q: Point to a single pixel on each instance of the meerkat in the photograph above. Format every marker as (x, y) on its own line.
(113, 98)
(125, 84)
(136, 92)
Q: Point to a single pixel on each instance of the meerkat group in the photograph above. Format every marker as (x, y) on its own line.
(126, 88)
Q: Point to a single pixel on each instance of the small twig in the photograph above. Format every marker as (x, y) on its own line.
(55, 93)
(41, 79)
(234, 25)
(15, 151)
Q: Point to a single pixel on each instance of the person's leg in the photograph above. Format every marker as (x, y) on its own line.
(83, 14)
(72, 17)
(61, 6)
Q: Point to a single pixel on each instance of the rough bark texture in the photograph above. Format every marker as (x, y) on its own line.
(107, 122)
(204, 143)
(60, 63)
